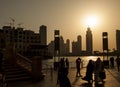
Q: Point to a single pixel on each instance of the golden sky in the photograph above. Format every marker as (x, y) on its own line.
(68, 16)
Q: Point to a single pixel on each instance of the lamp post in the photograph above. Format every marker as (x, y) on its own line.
(105, 47)
(56, 47)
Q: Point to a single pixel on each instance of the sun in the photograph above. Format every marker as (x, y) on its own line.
(91, 21)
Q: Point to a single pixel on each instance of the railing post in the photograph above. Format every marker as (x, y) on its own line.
(37, 68)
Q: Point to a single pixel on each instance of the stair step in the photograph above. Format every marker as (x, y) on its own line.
(16, 75)
(17, 79)
(14, 72)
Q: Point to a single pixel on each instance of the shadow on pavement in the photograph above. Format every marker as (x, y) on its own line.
(92, 85)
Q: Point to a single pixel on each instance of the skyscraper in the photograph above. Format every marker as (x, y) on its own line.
(77, 46)
(89, 43)
(79, 42)
(43, 35)
(67, 46)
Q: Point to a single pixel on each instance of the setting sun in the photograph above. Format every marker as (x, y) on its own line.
(91, 21)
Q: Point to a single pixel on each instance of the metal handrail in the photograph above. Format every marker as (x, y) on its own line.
(24, 62)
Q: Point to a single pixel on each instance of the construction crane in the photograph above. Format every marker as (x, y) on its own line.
(19, 25)
(13, 22)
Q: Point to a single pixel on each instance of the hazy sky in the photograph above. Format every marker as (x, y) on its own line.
(66, 15)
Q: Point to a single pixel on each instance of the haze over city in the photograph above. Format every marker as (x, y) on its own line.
(71, 17)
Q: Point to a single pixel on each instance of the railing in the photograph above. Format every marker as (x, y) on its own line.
(33, 66)
(24, 62)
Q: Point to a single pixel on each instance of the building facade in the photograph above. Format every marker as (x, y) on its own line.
(22, 39)
(43, 34)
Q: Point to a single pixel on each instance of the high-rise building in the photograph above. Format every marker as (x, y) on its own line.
(79, 42)
(89, 41)
(118, 40)
(67, 46)
(77, 46)
(43, 35)
(62, 46)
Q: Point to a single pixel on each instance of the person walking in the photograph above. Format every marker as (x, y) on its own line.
(78, 63)
(62, 78)
(67, 63)
(118, 62)
(89, 72)
(98, 68)
(112, 62)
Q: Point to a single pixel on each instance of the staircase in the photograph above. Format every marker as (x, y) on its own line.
(14, 72)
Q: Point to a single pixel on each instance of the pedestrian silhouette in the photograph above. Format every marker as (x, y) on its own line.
(63, 80)
(67, 63)
(98, 69)
(118, 62)
(78, 63)
(112, 62)
(89, 72)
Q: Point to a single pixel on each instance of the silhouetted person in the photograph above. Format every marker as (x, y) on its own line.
(60, 68)
(63, 80)
(98, 67)
(89, 72)
(112, 61)
(78, 63)
(67, 63)
(118, 62)
(62, 63)
(1, 60)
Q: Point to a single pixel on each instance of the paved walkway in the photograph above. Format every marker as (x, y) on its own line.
(112, 80)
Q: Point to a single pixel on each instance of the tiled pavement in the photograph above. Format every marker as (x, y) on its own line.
(50, 80)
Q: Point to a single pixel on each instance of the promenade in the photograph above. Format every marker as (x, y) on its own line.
(50, 80)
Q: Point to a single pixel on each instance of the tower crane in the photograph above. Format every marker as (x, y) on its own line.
(19, 25)
(13, 21)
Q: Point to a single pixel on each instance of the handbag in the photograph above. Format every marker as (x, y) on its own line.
(102, 75)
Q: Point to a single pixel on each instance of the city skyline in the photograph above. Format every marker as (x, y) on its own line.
(68, 16)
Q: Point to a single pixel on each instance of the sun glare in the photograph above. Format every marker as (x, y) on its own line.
(91, 21)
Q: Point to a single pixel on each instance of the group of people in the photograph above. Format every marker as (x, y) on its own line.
(118, 63)
(63, 70)
(96, 67)
(117, 60)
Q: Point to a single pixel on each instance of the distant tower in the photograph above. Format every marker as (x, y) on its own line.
(67, 46)
(118, 40)
(43, 35)
(89, 43)
(62, 46)
(79, 41)
(77, 46)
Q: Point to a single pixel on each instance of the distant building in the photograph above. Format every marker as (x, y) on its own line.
(77, 46)
(67, 47)
(2, 40)
(43, 35)
(118, 40)
(51, 47)
(89, 41)
(64, 47)
(74, 47)
(22, 39)
(79, 41)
